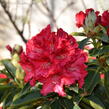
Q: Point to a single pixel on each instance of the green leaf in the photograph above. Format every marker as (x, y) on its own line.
(99, 51)
(92, 66)
(27, 107)
(74, 88)
(91, 81)
(4, 90)
(5, 87)
(105, 38)
(83, 43)
(46, 107)
(9, 67)
(3, 80)
(26, 88)
(76, 107)
(56, 105)
(106, 82)
(97, 29)
(94, 52)
(100, 92)
(85, 106)
(30, 97)
(103, 29)
(107, 61)
(3, 94)
(9, 98)
(78, 34)
(94, 102)
(104, 50)
(67, 103)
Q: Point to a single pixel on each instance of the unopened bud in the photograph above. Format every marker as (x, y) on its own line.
(9, 48)
(20, 74)
(18, 49)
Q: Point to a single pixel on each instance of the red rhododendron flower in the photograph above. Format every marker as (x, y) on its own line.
(80, 17)
(105, 18)
(54, 59)
(3, 76)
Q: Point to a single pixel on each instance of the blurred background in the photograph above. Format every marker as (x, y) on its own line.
(22, 19)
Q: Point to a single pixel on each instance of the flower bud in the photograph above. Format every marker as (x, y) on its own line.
(9, 48)
(18, 49)
(20, 74)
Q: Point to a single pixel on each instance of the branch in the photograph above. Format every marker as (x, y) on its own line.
(4, 6)
(40, 9)
(51, 14)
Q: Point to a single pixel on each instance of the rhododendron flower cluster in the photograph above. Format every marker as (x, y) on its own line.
(80, 17)
(100, 19)
(54, 59)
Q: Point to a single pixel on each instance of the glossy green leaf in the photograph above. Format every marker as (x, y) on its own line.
(83, 43)
(103, 29)
(107, 61)
(8, 100)
(76, 107)
(100, 92)
(9, 67)
(5, 87)
(30, 97)
(99, 51)
(97, 29)
(94, 52)
(83, 105)
(67, 103)
(91, 81)
(3, 80)
(26, 88)
(78, 34)
(106, 82)
(3, 94)
(46, 107)
(56, 105)
(27, 107)
(104, 50)
(94, 102)
(105, 38)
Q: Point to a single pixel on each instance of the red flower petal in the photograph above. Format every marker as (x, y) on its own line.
(105, 18)
(80, 18)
